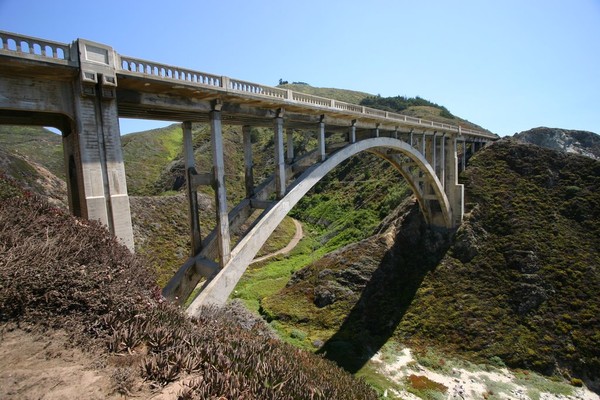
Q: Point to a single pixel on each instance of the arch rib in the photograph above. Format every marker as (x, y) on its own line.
(217, 290)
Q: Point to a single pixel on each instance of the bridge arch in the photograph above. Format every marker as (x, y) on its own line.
(217, 290)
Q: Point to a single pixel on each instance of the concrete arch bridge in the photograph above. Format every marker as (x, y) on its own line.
(82, 88)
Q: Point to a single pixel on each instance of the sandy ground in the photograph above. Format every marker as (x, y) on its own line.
(45, 366)
(464, 384)
(40, 366)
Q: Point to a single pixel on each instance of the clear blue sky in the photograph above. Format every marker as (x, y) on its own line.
(507, 65)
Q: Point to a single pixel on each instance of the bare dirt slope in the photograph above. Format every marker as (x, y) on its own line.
(44, 366)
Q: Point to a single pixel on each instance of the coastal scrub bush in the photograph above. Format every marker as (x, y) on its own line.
(58, 271)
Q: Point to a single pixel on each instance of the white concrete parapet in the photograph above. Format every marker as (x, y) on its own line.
(30, 47)
(165, 71)
(255, 88)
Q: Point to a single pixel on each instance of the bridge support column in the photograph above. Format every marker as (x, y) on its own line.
(248, 163)
(279, 158)
(454, 191)
(434, 151)
(96, 172)
(464, 155)
(290, 145)
(321, 138)
(352, 132)
(190, 169)
(428, 149)
(442, 175)
(223, 237)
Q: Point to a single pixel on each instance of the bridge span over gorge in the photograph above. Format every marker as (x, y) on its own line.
(82, 88)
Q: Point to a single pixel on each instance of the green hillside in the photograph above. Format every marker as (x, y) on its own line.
(36, 144)
(349, 96)
(517, 284)
(147, 154)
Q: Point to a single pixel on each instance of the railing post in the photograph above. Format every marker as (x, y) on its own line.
(223, 234)
(248, 160)
(279, 157)
(225, 82)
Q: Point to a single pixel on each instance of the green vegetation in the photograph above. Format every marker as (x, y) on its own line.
(147, 154)
(269, 277)
(282, 235)
(522, 263)
(401, 103)
(348, 96)
(515, 287)
(36, 144)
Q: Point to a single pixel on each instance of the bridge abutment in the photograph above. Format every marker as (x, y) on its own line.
(97, 184)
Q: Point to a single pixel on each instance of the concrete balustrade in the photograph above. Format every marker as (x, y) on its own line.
(27, 46)
(165, 71)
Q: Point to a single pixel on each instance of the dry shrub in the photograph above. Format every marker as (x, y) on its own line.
(65, 272)
(54, 267)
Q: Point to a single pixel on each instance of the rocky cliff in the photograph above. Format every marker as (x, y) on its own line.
(570, 141)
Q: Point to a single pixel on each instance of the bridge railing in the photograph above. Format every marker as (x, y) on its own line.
(340, 105)
(255, 89)
(34, 48)
(55, 52)
(165, 71)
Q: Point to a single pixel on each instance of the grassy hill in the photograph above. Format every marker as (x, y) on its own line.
(147, 154)
(349, 96)
(35, 144)
(515, 286)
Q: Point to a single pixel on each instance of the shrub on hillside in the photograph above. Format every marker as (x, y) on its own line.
(54, 266)
(69, 273)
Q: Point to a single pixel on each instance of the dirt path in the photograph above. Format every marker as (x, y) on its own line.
(290, 246)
